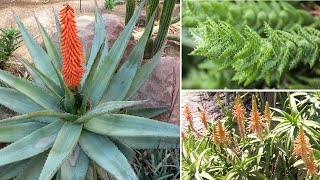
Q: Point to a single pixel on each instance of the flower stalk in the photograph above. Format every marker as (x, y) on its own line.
(256, 123)
(239, 115)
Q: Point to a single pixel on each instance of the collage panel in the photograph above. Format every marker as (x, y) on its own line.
(250, 44)
(250, 135)
(89, 89)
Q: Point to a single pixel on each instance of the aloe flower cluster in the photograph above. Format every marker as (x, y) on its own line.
(256, 124)
(239, 116)
(220, 134)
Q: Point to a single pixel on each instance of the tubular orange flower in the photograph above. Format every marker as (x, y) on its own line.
(72, 53)
(311, 165)
(203, 118)
(267, 113)
(189, 115)
(215, 138)
(222, 133)
(238, 114)
(256, 124)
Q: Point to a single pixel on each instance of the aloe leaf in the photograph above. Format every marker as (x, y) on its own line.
(63, 146)
(143, 72)
(149, 142)
(33, 170)
(147, 112)
(38, 81)
(65, 116)
(105, 51)
(39, 56)
(11, 170)
(13, 133)
(17, 102)
(52, 50)
(107, 155)
(98, 38)
(52, 86)
(33, 144)
(58, 27)
(104, 72)
(126, 150)
(76, 166)
(40, 96)
(124, 77)
(107, 108)
(125, 125)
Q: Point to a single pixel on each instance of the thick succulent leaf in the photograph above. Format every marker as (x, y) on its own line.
(126, 150)
(62, 148)
(17, 101)
(52, 86)
(149, 142)
(76, 166)
(107, 107)
(11, 170)
(37, 80)
(124, 77)
(31, 145)
(105, 51)
(36, 114)
(13, 133)
(39, 56)
(143, 72)
(98, 38)
(105, 153)
(33, 170)
(125, 125)
(52, 50)
(104, 72)
(58, 27)
(147, 112)
(38, 95)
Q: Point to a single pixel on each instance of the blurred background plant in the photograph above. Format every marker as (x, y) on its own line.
(269, 156)
(10, 39)
(109, 4)
(200, 73)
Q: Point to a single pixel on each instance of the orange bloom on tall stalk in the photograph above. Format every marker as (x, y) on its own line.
(203, 118)
(267, 113)
(256, 124)
(72, 53)
(189, 115)
(220, 134)
(238, 114)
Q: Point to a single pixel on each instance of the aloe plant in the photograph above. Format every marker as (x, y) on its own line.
(73, 118)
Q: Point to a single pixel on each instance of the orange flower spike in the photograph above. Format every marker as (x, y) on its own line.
(215, 138)
(72, 53)
(302, 147)
(256, 124)
(189, 115)
(238, 114)
(311, 165)
(222, 133)
(267, 113)
(203, 118)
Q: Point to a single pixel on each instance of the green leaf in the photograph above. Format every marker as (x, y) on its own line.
(147, 112)
(11, 170)
(13, 133)
(58, 27)
(39, 56)
(107, 108)
(143, 72)
(17, 101)
(104, 72)
(62, 148)
(52, 50)
(125, 125)
(126, 150)
(33, 144)
(38, 81)
(124, 77)
(98, 38)
(107, 155)
(40, 96)
(33, 170)
(149, 142)
(76, 166)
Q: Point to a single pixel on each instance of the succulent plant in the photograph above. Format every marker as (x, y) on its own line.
(73, 116)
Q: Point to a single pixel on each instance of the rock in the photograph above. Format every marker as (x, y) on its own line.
(85, 27)
(162, 88)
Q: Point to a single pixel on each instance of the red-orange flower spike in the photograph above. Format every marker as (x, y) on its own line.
(72, 53)
(189, 115)
(238, 114)
(302, 146)
(203, 118)
(256, 124)
(222, 133)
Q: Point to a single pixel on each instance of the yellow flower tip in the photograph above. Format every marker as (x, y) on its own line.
(239, 115)
(203, 118)
(267, 113)
(256, 123)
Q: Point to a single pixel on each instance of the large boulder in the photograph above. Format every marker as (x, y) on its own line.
(162, 89)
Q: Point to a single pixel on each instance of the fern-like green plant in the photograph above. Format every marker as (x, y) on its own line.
(253, 57)
(71, 132)
(279, 15)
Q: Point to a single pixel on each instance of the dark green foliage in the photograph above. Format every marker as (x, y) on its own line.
(130, 6)
(279, 15)
(254, 58)
(9, 42)
(109, 4)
